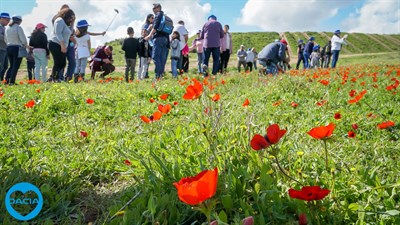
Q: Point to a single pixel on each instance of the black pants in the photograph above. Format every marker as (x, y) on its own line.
(107, 68)
(30, 66)
(185, 63)
(224, 60)
(15, 62)
(300, 59)
(249, 66)
(4, 70)
(60, 60)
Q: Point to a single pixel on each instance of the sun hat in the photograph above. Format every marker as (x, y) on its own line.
(5, 15)
(312, 38)
(337, 32)
(16, 18)
(300, 41)
(316, 47)
(82, 23)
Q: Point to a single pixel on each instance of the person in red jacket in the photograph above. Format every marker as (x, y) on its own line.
(102, 61)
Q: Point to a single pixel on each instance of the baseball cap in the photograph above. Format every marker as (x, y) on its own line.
(40, 26)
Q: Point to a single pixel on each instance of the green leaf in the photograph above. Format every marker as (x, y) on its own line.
(393, 212)
(227, 202)
(354, 206)
(223, 217)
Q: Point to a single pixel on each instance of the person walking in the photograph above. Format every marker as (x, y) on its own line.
(300, 57)
(337, 42)
(212, 33)
(16, 42)
(41, 52)
(4, 20)
(161, 42)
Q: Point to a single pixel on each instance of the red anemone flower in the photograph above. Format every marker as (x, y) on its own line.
(386, 124)
(246, 102)
(30, 104)
(164, 108)
(152, 100)
(89, 101)
(303, 219)
(164, 97)
(351, 134)
(197, 189)
(324, 82)
(322, 131)
(127, 162)
(354, 126)
(352, 93)
(294, 104)
(193, 91)
(358, 97)
(274, 134)
(338, 116)
(309, 193)
(216, 98)
(156, 116)
(83, 133)
(175, 103)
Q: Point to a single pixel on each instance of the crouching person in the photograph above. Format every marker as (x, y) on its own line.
(269, 57)
(102, 61)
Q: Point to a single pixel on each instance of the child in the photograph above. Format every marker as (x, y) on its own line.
(131, 47)
(144, 56)
(249, 60)
(30, 64)
(198, 45)
(185, 58)
(82, 49)
(315, 56)
(175, 53)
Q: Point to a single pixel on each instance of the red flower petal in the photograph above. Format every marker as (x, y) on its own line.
(259, 142)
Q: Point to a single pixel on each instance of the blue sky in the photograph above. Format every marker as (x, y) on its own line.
(370, 16)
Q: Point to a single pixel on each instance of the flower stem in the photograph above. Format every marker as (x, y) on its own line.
(326, 155)
(281, 169)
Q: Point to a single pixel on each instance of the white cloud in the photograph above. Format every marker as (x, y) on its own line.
(273, 15)
(99, 14)
(375, 16)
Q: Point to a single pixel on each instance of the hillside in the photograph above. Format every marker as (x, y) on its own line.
(359, 43)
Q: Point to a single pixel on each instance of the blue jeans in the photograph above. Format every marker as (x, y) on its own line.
(174, 65)
(306, 59)
(40, 64)
(80, 66)
(71, 61)
(15, 62)
(160, 53)
(200, 57)
(215, 55)
(270, 69)
(335, 57)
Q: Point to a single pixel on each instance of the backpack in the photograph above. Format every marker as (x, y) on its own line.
(166, 25)
(328, 49)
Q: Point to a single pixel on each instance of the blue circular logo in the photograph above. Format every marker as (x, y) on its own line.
(24, 187)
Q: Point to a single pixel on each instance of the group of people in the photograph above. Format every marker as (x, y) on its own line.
(314, 56)
(73, 44)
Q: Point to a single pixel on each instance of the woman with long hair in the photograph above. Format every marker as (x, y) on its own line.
(15, 40)
(41, 52)
(59, 40)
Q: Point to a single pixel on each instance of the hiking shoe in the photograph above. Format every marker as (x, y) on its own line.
(205, 68)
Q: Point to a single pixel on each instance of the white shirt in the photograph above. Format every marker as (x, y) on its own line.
(82, 46)
(337, 42)
(228, 41)
(250, 56)
(182, 32)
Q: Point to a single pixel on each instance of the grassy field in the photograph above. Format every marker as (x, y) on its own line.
(90, 160)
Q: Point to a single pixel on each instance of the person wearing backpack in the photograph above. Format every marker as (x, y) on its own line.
(160, 33)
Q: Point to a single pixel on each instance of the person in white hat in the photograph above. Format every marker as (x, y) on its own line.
(16, 39)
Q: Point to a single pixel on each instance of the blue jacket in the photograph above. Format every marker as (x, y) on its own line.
(156, 24)
(309, 47)
(274, 52)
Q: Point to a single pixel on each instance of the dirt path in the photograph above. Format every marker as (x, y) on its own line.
(288, 46)
(392, 39)
(379, 41)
